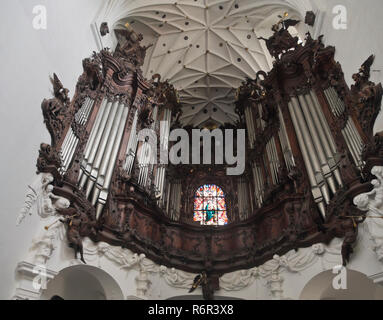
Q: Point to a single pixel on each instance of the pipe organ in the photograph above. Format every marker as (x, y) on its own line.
(289, 129)
(309, 145)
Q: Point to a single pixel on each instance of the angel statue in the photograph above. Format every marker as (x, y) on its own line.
(282, 40)
(80, 224)
(59, 91)
(208, 285)
(363, 88)
(41, 194)
(47, 204)
(371, 203)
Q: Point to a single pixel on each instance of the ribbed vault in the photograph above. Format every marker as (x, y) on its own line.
(205, 48)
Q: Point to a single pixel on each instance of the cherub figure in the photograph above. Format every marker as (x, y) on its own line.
(282, 40)
(61, 93)
(207, 283)
(363, 87)
(79, 226)
(372, 200)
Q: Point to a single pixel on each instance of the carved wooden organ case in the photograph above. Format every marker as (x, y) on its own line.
(310, 147)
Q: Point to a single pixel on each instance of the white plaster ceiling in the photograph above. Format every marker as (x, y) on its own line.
(205, 48)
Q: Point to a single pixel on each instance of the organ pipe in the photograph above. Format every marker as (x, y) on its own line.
(283, 138)
(145, 157)
(243, 199)
(99, 150)
(250, 126)
(164, 142)
(102, 162)
(305, 102)
(325, 136)
(350, 133)
(94, 141)
(132, 146)
(71, 141)
(175, 200)
(317, 194)
(105, 182)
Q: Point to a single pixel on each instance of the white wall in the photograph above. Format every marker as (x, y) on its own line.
(28, 57)
(361, 38)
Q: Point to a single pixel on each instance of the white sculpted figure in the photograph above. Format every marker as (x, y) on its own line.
(41, 194)
(50, 203)
(47, 203)
(372, 203)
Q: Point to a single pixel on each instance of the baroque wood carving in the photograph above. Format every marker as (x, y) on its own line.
(289, 217)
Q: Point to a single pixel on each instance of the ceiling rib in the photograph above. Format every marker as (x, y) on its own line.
(205, 49)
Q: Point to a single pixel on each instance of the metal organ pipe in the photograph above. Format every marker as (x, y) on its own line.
(68, 148)
(313, 154)
(258, 182)
(324, 123)
(350, 133)
(240, 202)
(243, 199)
(307, 141)
(110, 164)
(335, 108)
(251, 197)
(99, 151)
(65, 144)
(83, 114)
(317, 194)
(132, 146)
(93, 144)
(164, 135)
(305, 101)
(71, 141)
(272, 156)
(283, 137)
(250, 126)
(168, 199)
(71, 145)
(274, 151)
(92, 137)
(62, 152)
(146, 155)
(255, 124)
(261, 122)
(357, 135)
(178, 203)
(175, 201)
(106, 154)
(325, 135)
(144, 163)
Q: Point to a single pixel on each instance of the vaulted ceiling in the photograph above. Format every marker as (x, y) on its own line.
(205, 48)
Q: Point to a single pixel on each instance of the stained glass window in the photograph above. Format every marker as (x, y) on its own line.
(210, 206)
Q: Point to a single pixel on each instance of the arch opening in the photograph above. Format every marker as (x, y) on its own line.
(354, 286)
(82, 283)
